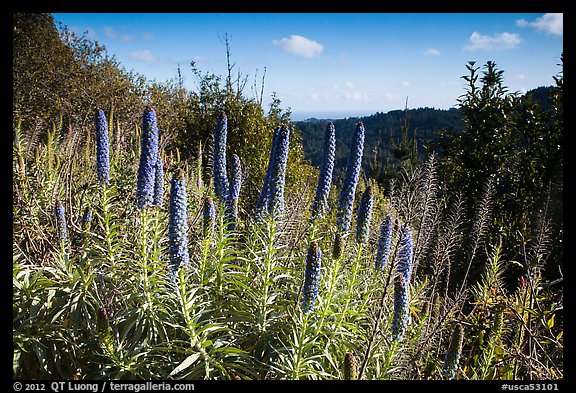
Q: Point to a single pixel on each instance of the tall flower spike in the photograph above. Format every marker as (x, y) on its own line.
(325, 177)
(364, 216)
(405, 253)
(278, 173)
(158, 182)
(401, 311)
(350, 367)
(102, 149)
(311, 277)
(338, 247)
(346, 197)
(453, 353)
(384, 242)
(61, 228)
(148, 158)
(219, 159)
(234, 191)
(178, 222)
(102, 323)
(262, 204)
(208, 216)
(87, 218)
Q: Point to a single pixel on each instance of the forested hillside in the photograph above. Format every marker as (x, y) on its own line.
(393, 135)
(384, 131)
(161, 233)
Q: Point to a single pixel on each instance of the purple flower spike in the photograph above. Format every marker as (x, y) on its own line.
(325, 177)
(364, 216)
(158, 182)
(278, 173)
(384, 242)
(61, 227)
(220, 175)
(234, 191)
(178, 222)
(102, 149)
(311, 277)
(148, 158)
(347, 193)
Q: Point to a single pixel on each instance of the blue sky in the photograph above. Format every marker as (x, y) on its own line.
(335, 65)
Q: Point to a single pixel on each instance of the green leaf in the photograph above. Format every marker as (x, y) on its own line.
(551, 321)
(16, 363)
(185, 364)
(40, 352)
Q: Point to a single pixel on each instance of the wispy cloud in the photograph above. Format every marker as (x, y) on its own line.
(110, 32)
(147, 36)
(549, 23)
(144, 55)
(432, 52)
(346, 92)
(300, 46)
(497, 41)
(127, 38)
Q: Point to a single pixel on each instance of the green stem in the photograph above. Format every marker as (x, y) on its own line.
(206, 242)
(190, 325)
(334, 272)
(220, 254)
(268, 258)
(144, 228)
(109, 236)
(351, 281)
(301, 334)
(389, 357)
(376, 327)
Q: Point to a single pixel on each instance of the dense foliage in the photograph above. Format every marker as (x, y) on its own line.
(392, 138)
(452, 269)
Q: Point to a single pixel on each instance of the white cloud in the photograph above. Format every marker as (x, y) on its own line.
(406, 83)
(521, 77)
(345, 92)
(300, 46)
(127, 38)
(143, 55)
(432, 52)
(113, 34)
(110, 32)
(549, 23)
(350, 93)
(497, 41)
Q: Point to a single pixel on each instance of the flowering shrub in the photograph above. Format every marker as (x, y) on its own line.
(187, 293)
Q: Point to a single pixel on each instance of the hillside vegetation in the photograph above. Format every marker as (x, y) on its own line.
(160, 233)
